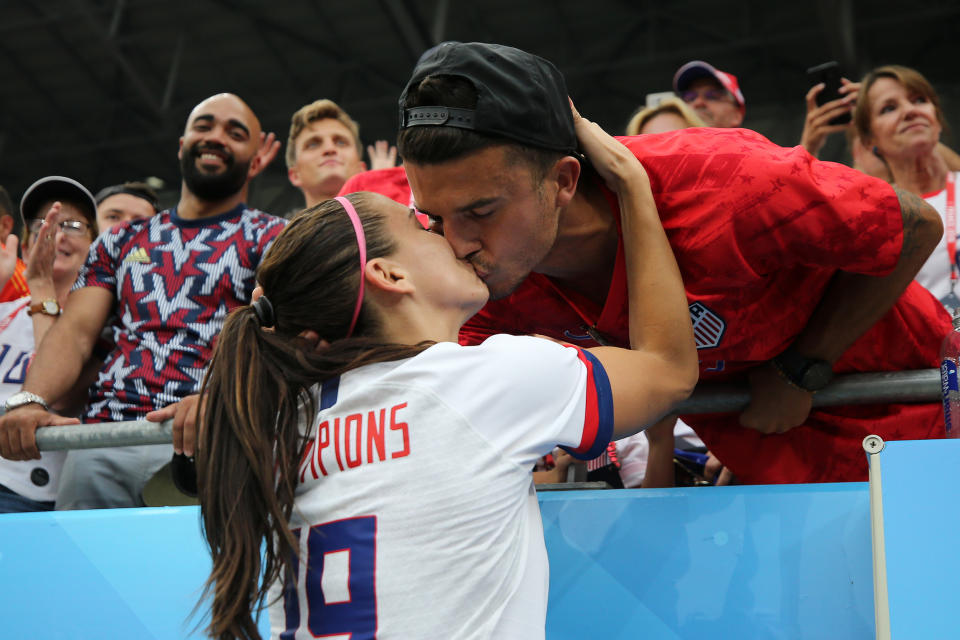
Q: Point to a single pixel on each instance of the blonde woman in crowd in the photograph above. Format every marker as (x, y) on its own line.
(669, 115)
(898, 116)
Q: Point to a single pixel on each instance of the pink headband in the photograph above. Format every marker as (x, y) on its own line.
(362, 243)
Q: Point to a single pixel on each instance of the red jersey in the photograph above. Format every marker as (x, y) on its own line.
(16, 286)
(758, 231)
(390, 182)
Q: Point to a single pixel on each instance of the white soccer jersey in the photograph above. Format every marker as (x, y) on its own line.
(34, 479)
(416, 512)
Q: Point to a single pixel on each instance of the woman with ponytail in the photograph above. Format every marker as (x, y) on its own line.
(373, 475)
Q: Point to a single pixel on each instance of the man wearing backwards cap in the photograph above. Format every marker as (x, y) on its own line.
(791, 265)
(167, 282)
(715, 95)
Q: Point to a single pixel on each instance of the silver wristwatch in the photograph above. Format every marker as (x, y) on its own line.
(21, 398)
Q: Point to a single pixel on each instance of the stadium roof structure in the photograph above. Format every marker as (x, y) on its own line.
(99, 89)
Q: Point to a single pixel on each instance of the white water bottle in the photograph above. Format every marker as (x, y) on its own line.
(949, 384)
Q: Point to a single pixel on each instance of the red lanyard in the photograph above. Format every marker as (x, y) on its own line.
(6, 321)
(951, 223)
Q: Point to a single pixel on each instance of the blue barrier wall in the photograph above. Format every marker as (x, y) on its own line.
(922, 531)
(727, 562)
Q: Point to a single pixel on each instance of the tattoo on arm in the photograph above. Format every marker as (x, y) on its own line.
(915, 219)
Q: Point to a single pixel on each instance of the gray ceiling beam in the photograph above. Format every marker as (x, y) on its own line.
(656, 60)
(62, 115)
(836, 17)
(133, 76)
(342, 57)
(408, 26)
(331, 32)
(440, 13)
(173, 75)
(53, 20)
(118, 13)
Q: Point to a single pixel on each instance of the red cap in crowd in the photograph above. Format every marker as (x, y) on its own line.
(689, 72)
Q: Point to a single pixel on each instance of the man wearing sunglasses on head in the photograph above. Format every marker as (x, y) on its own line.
(715, 95)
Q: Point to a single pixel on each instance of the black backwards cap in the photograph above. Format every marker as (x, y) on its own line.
(520, 96)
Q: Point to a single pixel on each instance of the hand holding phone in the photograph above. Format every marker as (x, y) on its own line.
(828, 73)
(829, 105)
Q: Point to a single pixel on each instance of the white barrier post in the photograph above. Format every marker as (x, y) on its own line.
(873, 445)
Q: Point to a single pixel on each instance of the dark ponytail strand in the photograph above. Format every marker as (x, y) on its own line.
(251, 429)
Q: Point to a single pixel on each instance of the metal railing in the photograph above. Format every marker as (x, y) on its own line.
(860, 388)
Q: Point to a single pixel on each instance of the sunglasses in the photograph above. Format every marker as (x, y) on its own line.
(72, 228)
(710, 95)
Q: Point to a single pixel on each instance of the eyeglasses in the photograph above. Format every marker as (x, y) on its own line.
(710, 95)
(72, 228)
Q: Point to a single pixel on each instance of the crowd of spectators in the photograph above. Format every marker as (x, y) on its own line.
(110, 306)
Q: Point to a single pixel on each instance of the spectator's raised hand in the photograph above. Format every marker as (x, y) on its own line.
(8, 258)
(39, 271)
(817, 126)
(382, 155)
(269, 148)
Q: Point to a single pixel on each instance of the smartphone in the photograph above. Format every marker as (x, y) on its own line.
(829, 74)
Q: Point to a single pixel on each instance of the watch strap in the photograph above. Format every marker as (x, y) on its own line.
(45, 307)
(793, 367)
(22, 398)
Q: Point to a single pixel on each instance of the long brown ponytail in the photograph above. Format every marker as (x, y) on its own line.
(257, 400)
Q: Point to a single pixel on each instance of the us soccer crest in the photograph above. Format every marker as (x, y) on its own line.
(708, 327)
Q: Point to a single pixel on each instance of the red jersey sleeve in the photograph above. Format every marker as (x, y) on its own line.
(390, 182)
(780, 207)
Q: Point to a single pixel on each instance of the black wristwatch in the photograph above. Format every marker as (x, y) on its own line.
(809, 374)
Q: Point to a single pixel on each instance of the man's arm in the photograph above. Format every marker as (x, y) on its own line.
(56, 367)
(850, 305)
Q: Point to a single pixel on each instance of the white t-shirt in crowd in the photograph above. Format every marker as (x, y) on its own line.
(34, 479)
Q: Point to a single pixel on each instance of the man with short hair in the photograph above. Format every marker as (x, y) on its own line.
(323, 150)
(715, 95)
(793, 268)
(167, 282)
(121, 203)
